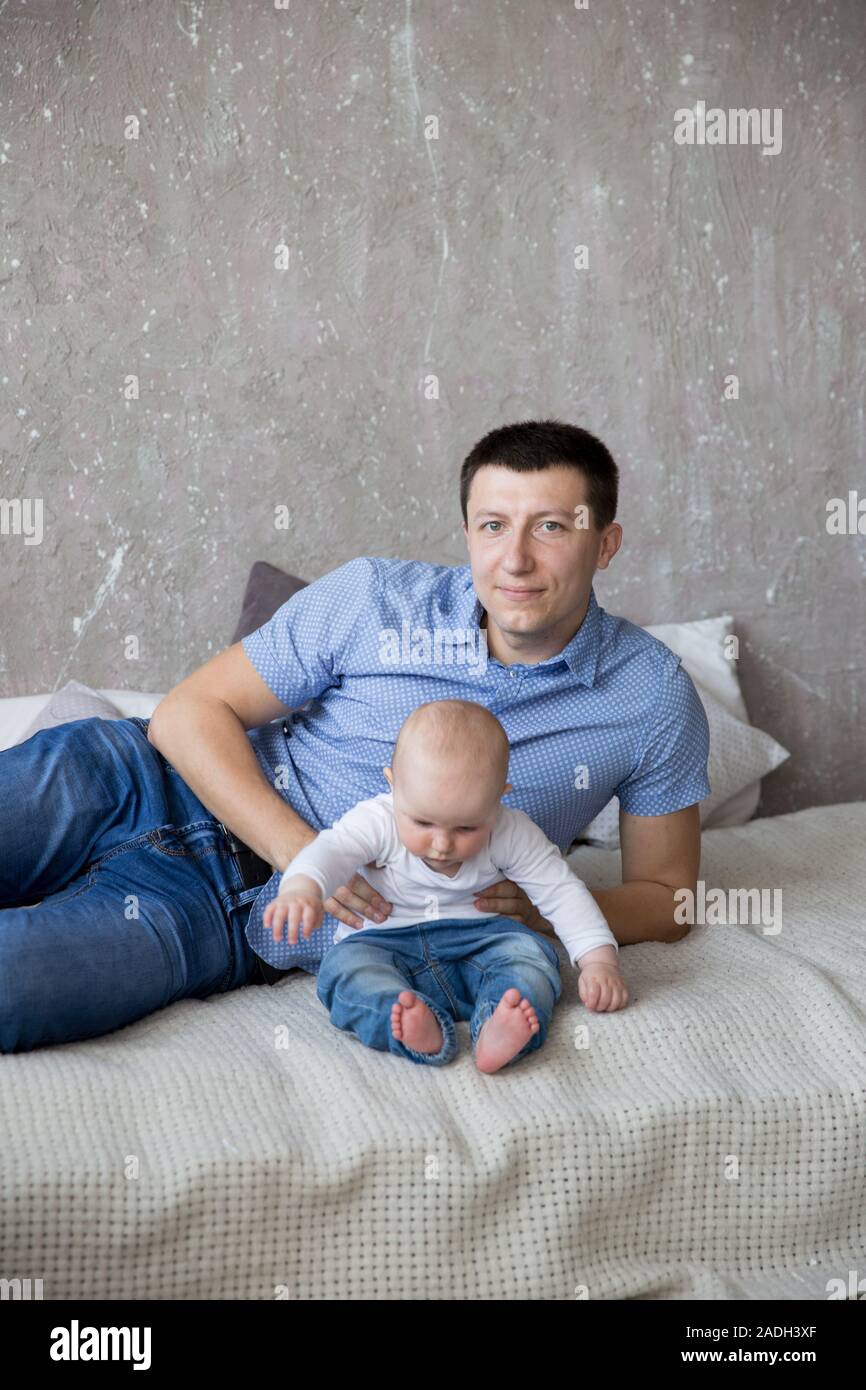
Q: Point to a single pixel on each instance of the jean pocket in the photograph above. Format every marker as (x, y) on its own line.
(196, 840)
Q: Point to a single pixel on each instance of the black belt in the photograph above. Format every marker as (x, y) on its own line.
(254, 872)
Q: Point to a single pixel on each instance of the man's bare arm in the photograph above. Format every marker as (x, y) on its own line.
(200, 729)
(659, 855)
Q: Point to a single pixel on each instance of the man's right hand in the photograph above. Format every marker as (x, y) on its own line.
(358, 896)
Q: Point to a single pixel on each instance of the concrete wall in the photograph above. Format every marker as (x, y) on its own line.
(410, 257)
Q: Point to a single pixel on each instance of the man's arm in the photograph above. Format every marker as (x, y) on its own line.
(659, 855)
(660, 852)
(200, 729)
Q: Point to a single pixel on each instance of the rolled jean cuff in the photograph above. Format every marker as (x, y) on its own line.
(479, 1019)
(449, 1038)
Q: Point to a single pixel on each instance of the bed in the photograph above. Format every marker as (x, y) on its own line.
(708, 1142)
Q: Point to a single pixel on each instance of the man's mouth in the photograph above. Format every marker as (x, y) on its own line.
(519, 594)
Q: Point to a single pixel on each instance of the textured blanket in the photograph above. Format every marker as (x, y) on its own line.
(709, 1141)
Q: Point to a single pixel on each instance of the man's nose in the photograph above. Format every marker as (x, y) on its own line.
(517, 555)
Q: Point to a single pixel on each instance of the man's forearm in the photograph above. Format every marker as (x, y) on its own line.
(207, 744)
(635, 912)
(640, 911)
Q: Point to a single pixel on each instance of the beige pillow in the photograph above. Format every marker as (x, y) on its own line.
(72, 701)
(740, 755)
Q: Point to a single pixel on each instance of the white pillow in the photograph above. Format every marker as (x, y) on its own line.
(18, 712)
(701, 647)
(740, 755)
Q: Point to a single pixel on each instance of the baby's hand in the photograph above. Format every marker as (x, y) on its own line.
(602, 988)
(299, 907)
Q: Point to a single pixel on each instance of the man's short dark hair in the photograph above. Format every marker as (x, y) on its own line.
(532, 445)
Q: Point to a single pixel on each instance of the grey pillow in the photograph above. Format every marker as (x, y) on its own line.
(73, 701)
(267, 589)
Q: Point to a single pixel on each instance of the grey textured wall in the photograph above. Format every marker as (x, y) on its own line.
(410, 257)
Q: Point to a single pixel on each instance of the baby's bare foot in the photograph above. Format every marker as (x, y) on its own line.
(414, 1025)
(506, 1032)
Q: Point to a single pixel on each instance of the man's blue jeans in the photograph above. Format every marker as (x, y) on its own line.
(460, 968)
(142, 901)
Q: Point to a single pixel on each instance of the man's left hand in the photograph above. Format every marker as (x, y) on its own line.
(506, 899)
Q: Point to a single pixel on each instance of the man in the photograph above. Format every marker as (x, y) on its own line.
(593, 707)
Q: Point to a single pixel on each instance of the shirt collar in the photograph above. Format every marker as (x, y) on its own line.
(580, 654)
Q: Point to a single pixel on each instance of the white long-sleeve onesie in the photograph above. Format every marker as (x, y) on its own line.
(516, 849)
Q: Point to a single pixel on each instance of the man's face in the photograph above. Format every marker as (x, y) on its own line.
(532, 567)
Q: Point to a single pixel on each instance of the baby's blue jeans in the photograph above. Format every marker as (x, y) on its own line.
(460, 967)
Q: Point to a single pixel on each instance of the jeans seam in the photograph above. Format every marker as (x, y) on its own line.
(82, 887)
(431, 964)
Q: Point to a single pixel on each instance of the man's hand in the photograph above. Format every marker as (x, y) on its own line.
(358, 896)
(506, 899)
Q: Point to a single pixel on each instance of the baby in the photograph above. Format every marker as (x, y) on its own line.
(438, 837)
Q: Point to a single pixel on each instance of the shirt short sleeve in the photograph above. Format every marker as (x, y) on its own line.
(298, 652)
(672, 772)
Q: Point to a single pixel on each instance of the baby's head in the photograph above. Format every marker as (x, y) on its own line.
(448, 776)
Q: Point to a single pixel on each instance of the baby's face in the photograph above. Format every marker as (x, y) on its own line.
(444, 819)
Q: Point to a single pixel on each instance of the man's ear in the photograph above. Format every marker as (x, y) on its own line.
(611, 542)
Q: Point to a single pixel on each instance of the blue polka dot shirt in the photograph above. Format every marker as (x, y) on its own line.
(353, 653)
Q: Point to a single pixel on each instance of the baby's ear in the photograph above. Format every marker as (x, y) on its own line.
(387, 772)
(507, 789)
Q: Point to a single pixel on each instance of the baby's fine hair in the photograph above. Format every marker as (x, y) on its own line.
(457, 729)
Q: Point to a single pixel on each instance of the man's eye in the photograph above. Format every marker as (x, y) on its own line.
(557, 524)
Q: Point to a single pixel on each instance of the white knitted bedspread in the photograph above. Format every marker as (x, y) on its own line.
(709, 1142)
